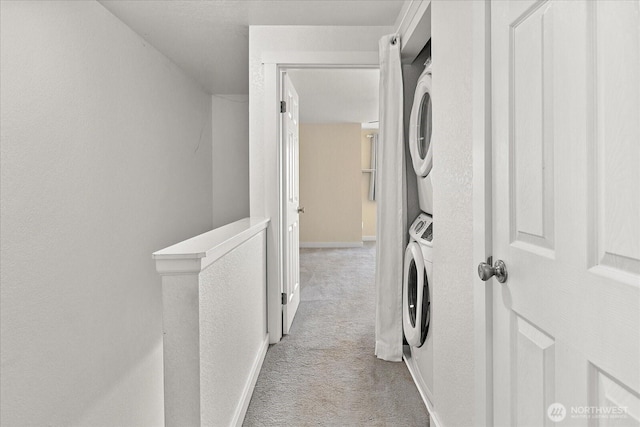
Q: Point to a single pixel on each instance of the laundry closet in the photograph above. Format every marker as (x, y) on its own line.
(418, 257)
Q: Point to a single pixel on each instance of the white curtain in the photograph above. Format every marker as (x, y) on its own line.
(391, 204)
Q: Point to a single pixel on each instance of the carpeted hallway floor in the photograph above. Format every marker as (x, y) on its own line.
(325, 373)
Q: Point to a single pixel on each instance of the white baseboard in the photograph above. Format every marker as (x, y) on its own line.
(330, 244)
(243, 405)
(422, 388)
(368, 238)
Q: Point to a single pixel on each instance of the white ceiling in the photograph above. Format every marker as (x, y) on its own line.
(337, 95)
(209, 39)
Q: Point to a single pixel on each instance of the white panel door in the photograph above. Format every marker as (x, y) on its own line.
(566, 165)
(291, 192)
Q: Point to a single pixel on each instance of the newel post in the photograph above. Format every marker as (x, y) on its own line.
(181, 335)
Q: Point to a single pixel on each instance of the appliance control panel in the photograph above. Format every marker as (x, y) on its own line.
(422, 229)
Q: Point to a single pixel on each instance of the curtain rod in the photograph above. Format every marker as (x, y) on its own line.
(394, 40)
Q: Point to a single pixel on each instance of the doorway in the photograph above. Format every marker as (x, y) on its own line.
(266, 158)
(327, 176)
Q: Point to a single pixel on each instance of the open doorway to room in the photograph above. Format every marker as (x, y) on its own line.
(337, 133)
(329, 136)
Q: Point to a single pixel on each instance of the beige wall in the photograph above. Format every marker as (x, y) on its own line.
(368, 206)
(330, 179)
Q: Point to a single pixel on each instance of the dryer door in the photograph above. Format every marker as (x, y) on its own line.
(426, 302)
(414, 317)
(420, 127)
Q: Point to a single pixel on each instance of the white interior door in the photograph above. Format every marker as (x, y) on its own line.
(566, 160)
(291, 191)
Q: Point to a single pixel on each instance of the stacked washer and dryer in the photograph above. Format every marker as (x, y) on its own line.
(418, 264)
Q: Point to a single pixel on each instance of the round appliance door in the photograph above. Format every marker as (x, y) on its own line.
(415, 296)
(420, 127)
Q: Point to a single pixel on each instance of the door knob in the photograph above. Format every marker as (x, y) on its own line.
(300, 209)
(499, 269)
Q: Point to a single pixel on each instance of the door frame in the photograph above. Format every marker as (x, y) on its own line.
(275, 64)
(482, 211)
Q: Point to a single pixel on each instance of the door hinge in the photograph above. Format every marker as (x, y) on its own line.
(284, 298)
(283, 106)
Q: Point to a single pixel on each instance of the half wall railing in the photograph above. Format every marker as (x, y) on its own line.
(214, 323)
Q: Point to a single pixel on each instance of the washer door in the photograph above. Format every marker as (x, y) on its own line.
(420, 127)
(415, 292)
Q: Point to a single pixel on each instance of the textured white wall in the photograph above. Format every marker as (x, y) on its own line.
(453, 264)
(106, 157)
(230, 122)
(233, 327)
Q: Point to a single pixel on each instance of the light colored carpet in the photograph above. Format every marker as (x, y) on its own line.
(325, 373)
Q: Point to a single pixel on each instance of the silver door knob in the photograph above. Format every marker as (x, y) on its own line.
(499, 269)
(300, 209)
